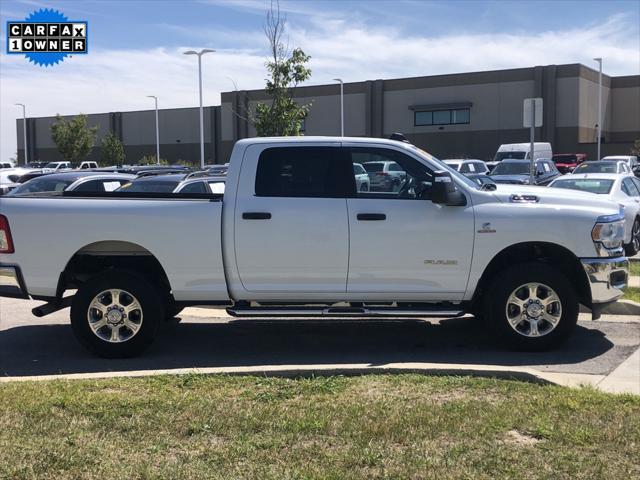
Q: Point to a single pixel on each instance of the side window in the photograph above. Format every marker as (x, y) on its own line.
(636, 182)
(403, 178)
(304, 172)
(629, 188)
(465, 168)
(195, 187)
(91, 186)
(545, 165)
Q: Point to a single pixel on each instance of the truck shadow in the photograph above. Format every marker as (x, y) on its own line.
(52, 349)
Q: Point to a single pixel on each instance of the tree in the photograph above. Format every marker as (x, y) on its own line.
(635, 150)
(73, 138)
(111, 150)
(151, 160)
(283, 116)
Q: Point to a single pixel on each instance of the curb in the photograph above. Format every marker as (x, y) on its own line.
(308, 371)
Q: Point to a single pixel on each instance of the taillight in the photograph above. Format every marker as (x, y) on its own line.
(382, 174)
(6, 243)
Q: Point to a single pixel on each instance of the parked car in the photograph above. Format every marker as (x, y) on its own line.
(79, 181)
(28, 176)
(291, 236)
(217, 170)
(566, 162)
(86, 165)
(362, 177)
(9, 178)
(468, 166)
(517, 171)
(4, 165)
(630, 160)
(623, 189)
(37, 164)
(603, 166)
(174, 183)
(138, 169)
(57, 166)
(521, 151)
(384, 176)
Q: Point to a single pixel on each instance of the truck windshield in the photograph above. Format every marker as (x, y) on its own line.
(511, 168)
(593, 185)
(51, 165)
(518, 155)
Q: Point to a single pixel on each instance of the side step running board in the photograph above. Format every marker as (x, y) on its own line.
(342, 312)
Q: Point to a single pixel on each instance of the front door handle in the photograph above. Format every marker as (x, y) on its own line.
(370, 217)
(256, 216)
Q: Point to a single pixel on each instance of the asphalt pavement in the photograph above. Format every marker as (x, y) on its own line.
(209, 339)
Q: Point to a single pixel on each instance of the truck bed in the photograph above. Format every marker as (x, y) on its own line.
(182, 232)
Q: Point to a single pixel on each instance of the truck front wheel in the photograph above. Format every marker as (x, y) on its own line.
(116, 314)
(531, 307)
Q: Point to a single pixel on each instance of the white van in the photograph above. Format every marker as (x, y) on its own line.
(521, 151)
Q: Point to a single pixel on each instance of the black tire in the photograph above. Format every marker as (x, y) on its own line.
(150, 314)
(633, 247)
(508, 281)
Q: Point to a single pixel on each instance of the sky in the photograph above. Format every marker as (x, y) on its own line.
(135, 47)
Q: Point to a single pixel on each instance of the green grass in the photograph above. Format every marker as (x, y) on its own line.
(632, 293)
(635, 269)
(404, 427)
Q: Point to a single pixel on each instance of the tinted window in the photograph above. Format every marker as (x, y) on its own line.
(596, 167)
(466, 168)
(629, 188)
(442, 117)
(195, 187)
(149, 186)
(304, 172)
(511, 168)
(408, 178)
(43, 184)
(91, 186)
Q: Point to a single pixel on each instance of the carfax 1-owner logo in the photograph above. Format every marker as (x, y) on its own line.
(46, 37)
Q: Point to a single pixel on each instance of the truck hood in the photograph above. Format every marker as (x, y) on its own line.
(560, 196)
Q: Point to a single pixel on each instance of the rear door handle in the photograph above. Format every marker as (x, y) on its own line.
(370, 217)
(256, 216)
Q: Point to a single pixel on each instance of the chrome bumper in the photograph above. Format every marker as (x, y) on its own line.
(11, 282)
(608, 278)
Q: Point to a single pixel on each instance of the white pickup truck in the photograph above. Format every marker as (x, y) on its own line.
(292, 235)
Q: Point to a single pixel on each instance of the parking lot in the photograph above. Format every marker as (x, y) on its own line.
(209, 340)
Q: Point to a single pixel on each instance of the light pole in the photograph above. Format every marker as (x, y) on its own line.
(157, 130)
(199, 54)
(599, 60)
(341, 105)
(24, 131)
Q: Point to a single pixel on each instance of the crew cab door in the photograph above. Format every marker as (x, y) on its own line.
(402, 246)
(291, 227)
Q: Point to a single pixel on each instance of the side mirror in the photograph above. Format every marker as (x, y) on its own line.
(444, 190)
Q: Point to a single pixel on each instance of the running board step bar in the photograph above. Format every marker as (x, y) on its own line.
(342, 312)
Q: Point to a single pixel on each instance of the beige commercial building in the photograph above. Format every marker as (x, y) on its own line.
(455, 115)
(466, 114)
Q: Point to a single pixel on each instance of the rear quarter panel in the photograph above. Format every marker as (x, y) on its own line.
(184, 235)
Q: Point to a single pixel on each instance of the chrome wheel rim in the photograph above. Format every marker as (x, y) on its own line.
(534, 309)
(115, 316)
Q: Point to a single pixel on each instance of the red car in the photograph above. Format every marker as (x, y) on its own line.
(566, 162)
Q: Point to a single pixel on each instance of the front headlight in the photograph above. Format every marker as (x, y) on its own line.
(608, 232)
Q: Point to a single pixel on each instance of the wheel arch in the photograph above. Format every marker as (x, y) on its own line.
(98, 257)
(548, 253)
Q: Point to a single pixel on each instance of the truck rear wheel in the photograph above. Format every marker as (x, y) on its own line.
(531, 307)
(116, 314)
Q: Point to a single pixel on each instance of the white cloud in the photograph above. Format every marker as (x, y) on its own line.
(118, 80)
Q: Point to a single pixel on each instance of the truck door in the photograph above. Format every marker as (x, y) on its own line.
(291, 226)
(402, 245)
